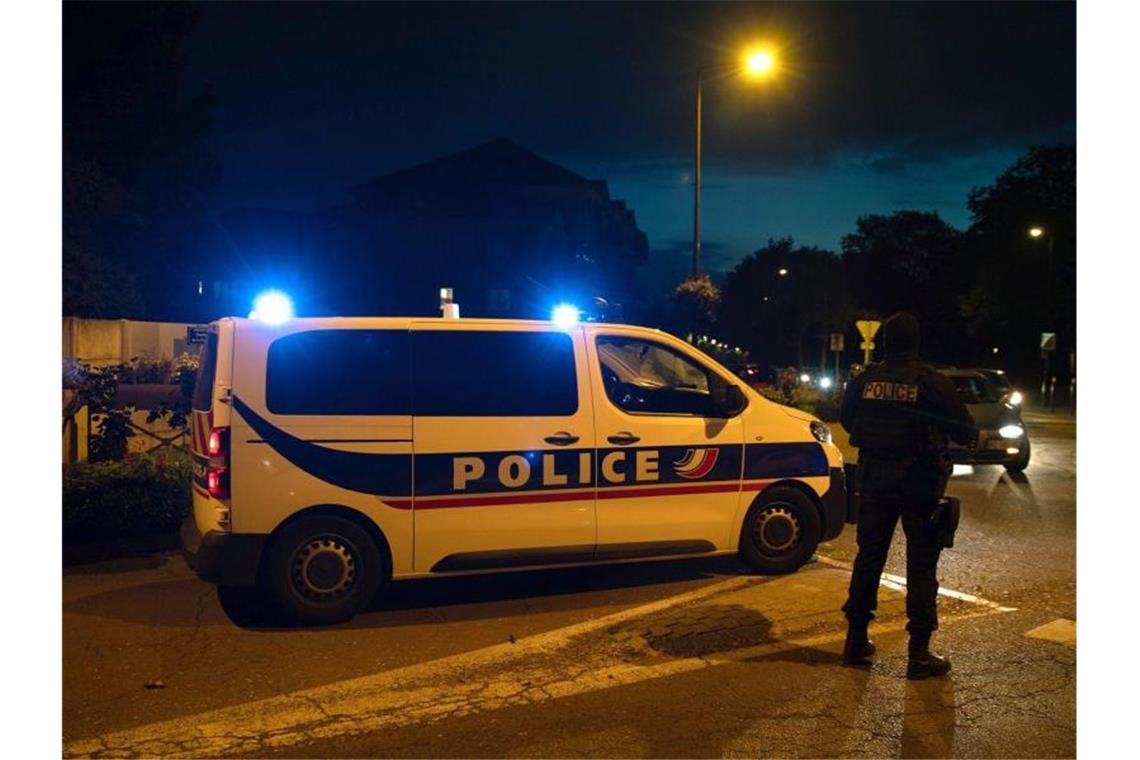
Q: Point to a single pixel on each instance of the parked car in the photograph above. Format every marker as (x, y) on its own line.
(1002, 438)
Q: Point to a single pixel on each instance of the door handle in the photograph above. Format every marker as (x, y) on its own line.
(561, 438)
(623, 439)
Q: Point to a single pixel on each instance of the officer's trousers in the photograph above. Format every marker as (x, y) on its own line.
(878, 516)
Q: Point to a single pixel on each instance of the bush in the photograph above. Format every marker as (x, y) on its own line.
(141, 495)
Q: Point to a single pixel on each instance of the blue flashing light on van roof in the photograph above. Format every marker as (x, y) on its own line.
(272, 307)
(565, 315)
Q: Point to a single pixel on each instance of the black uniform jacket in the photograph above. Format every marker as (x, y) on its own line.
(938, 403)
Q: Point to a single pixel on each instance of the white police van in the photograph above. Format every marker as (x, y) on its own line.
(332, 455)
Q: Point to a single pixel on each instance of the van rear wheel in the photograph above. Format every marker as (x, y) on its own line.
(323, 569)
(780, 532)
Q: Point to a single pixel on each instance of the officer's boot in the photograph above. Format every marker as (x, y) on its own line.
(858, 649)
(920, 662)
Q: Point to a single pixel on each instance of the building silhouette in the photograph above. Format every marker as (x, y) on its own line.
(511, 232)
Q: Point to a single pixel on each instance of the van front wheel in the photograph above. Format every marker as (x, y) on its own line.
(323, 570)
(780, 532)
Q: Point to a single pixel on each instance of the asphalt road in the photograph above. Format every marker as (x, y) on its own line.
(693, 658)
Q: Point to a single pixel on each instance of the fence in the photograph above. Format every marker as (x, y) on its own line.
(78, 426)
(104, 342)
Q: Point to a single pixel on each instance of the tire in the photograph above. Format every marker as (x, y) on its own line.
(1022, 461)
(780, 532)
(323, 569)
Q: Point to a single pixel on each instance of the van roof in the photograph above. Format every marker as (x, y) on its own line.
(363, 321)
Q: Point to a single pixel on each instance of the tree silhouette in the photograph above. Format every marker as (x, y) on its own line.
(908, 262)
(1027, 284)
(135, 168)
(780, 318)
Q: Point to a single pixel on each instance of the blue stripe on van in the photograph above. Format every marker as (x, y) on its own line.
(387, 474)
(391, 474)
(784, 460)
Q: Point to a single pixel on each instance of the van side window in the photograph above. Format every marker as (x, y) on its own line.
(340, 372)
(644, 377)
(469, 373)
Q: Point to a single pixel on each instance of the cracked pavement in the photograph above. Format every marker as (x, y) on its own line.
(689, 659)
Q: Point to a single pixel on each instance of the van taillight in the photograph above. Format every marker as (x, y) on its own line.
(218, 482)
(218, 443)
(218, 471)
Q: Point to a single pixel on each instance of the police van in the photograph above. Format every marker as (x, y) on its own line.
(332, 455)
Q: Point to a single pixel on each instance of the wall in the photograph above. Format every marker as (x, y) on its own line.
(113, 341)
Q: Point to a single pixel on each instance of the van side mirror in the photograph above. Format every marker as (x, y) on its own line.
(727, 399)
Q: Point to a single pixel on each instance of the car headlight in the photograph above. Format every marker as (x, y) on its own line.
(1015, 398)
(1011, 431)
(821, 432)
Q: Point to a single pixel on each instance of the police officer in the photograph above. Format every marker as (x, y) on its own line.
(900, 413)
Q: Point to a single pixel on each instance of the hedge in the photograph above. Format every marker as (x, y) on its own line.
(141, 495)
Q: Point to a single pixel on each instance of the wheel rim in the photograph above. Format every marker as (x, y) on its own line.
(776, 530)
(323, 568)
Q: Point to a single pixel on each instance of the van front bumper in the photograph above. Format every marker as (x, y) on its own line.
(834, 505)
(227, 559)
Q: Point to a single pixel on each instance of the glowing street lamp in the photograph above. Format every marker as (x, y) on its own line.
(782, 272)
(756, 63)
(1036, 232)
(760, 62)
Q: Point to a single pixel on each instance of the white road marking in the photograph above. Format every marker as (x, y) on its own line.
(299, 708)
(489, 679)
(1060, 631)
(898, 583)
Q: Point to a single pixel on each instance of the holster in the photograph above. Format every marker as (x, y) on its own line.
(944, 520)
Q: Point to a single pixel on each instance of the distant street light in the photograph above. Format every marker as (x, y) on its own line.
(783, 272)
(757, 63)
(1036, 232)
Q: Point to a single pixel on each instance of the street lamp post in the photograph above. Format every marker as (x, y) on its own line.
(759, 63)
(1037, 233)
(697, 187)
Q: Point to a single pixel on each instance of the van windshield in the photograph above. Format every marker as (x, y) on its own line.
(207, 365)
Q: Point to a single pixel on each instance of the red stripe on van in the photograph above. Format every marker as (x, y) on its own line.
(496, 499)
(541, 498)
(671, 490)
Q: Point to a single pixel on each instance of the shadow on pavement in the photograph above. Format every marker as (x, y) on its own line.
(929, 715)
(123, 555)
(415, 602)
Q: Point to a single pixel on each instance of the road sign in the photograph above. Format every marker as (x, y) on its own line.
(836, 341)
(1048, 341)
(867, 328)
(196, 334)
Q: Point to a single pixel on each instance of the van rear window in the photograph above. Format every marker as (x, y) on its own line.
(468, 373)
(207, 367)
(340, 372)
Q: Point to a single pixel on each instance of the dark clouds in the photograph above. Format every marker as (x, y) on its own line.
(314, 97)
(614, 78)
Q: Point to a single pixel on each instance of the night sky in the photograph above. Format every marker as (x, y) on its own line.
(879, 107)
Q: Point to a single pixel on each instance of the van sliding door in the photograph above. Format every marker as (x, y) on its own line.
(504, 437)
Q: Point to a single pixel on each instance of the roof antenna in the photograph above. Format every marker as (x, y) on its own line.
(447, 304)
